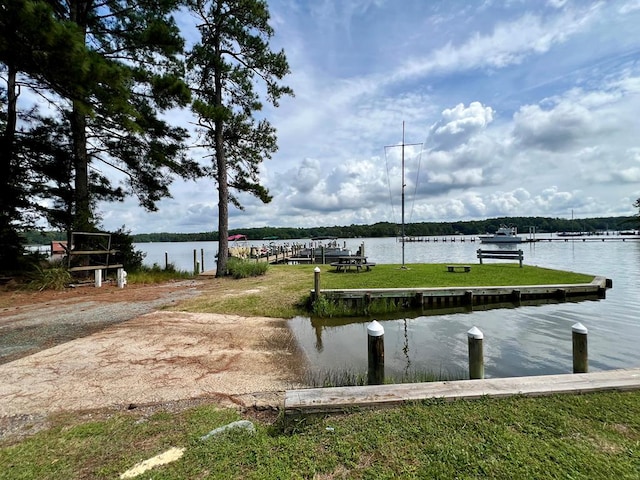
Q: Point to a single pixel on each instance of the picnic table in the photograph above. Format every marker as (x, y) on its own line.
(352, 261)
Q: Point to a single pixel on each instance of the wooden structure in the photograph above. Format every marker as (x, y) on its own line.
(352, 261)
(459, 268)
(501, 254)
(436, 297)
(321, 400)
(87, 259)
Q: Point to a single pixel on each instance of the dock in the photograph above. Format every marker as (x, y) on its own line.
(340, 399)
(467, 296)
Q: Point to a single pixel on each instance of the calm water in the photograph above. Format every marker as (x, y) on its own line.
(532, 340)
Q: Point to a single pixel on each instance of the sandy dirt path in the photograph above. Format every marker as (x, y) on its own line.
(130, 354)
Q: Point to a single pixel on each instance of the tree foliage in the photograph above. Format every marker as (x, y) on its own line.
(230, 60)
(107, 71)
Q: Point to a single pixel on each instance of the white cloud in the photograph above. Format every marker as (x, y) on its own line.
(523, 108)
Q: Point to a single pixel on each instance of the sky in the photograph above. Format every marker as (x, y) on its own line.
(509, 108)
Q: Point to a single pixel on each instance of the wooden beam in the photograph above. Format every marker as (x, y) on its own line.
(319, 400)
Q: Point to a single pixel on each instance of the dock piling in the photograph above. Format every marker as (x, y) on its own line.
(476, 354)
(580, 350)
(316, 282)
(375, 350)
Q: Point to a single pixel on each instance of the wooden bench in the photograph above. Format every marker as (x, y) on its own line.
(121, 275)
(458, 268)
(501, 254)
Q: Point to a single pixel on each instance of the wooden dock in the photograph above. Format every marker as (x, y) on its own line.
(337, 399)
(467, 296)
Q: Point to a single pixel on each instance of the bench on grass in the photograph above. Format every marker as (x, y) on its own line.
(501, 254)
(458, 268)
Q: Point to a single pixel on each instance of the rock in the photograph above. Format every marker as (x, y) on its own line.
(240, 424)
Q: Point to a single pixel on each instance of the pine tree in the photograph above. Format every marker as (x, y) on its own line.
(232, 56)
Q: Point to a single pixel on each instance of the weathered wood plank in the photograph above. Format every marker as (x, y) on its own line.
(317, 400)
(87, 268)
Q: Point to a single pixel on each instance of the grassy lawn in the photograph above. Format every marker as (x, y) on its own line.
(571, 436)
(283, 291)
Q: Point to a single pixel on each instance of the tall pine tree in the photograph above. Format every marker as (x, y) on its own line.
(226, 66)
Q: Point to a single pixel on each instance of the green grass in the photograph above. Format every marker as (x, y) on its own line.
(283, 291)
(156, 274)
(570, 436)
(436, 275)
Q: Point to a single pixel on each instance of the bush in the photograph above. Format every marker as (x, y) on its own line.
(122, 242)
(54, 277)
(239, 268)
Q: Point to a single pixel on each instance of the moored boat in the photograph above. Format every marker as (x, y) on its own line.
(504, 234)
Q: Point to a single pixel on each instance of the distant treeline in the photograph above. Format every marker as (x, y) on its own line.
(385, 229)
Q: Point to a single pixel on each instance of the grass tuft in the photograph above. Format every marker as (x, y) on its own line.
(50, 277)
(239, 268)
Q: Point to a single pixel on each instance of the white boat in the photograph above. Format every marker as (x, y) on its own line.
(504, 234)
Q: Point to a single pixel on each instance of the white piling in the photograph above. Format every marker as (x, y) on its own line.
(375, 350)
(476, 353)
(580, 351)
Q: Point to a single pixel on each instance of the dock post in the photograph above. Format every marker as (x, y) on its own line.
(375, 350)
(166, 260)
(202, 259)
(468, 297)
(476, 354)
(121, 277)
(316, 283)
(580, 351)
(195, 262)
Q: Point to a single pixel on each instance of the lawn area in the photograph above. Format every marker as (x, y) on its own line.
(436, 275)
(570, 436)
(283, 291)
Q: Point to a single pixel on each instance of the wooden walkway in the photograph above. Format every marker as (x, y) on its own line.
(321, 400)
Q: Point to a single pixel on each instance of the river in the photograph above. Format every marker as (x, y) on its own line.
(530, 340)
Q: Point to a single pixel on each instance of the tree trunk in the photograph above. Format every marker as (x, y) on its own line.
(221, 161)
(83, 217)
(223, 208)
(82, 220)
(11, 195)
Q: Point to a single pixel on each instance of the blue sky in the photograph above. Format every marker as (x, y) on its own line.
(519, 107)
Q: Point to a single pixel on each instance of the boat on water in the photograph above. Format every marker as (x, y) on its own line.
(324, 252)
(504, 234)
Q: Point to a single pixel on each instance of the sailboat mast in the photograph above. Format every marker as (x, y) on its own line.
(403, 185)
(402, 239)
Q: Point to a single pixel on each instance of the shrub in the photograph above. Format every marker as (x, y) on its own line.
(239, 268)
(54, 277)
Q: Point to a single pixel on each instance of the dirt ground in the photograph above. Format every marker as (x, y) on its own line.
(91, 349)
